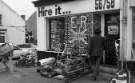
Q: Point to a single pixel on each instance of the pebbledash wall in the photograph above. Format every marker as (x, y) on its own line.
(85, 15)
(12, 26)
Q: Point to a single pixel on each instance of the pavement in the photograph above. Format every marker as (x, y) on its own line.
(29, 75)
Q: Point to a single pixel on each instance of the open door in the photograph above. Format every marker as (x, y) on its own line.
(112, 34)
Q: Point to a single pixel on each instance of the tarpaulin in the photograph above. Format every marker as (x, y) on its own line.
(5, 48)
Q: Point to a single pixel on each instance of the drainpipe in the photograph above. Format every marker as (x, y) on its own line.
(126, 31)
(123, 29)
(123, 32)
(125, 35)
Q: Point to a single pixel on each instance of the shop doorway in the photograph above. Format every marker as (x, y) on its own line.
(112, 34)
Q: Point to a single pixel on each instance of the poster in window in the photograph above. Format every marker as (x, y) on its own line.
(113, 30)
(79, 28)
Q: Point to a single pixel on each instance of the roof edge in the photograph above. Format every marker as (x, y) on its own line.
(11, 9)
(40, 3)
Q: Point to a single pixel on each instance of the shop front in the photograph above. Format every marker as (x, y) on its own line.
(64, 27)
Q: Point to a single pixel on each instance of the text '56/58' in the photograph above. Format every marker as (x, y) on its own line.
(104, 4)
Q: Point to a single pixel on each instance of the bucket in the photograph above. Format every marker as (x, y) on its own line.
(114, 80)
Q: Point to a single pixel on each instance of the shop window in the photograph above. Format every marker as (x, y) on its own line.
(71, 34)
(57, 34)
(3, 30)
(133, 35)
(0, 19)
(2, 39)
(79, 29)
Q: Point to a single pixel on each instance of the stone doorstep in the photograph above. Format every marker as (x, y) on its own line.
(106, 76)
(107, 72)
(107, 69)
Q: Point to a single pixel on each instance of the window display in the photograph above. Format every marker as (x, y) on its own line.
(71, 34)
(79, 29)
(57, 34)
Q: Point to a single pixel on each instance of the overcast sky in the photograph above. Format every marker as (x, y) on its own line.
(24, 7)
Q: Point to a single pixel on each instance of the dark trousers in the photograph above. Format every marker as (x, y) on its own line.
(95, 64)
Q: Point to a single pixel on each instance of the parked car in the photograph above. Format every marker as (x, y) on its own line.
(23, 49)
(1, 44)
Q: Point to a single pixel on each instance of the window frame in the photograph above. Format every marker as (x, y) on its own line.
(0, 19)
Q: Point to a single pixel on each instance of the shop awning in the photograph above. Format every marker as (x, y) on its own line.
(48, 2)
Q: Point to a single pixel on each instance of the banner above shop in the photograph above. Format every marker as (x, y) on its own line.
(78, 6)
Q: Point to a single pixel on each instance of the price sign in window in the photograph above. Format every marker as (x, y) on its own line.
(113, 30)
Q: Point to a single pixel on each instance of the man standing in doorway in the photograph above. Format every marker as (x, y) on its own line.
(96, 50)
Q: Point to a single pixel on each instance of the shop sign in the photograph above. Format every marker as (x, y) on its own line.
(105, 4)
(54, 11)
(78, 6)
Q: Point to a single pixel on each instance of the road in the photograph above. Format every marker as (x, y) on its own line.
(29, 75)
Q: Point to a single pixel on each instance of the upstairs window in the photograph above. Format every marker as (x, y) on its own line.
(3, 33)
(0, 19)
